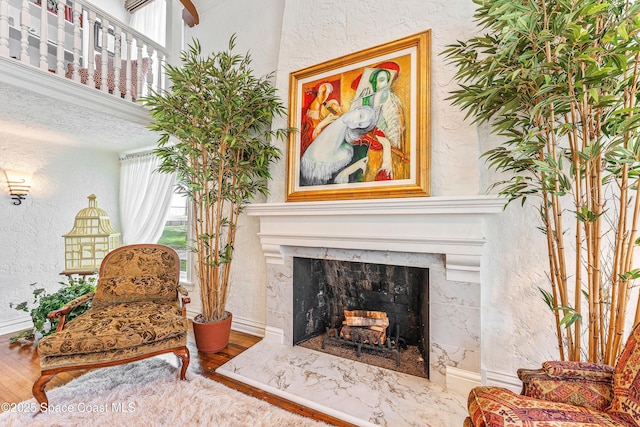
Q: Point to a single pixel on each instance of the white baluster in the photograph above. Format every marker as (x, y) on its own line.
(117, 61)
(44, 35)
(158, 86)
(150, 69)
(77, 40)
(139, 69)
(25, 25)
(104, 85)
(91, 60)
(75, 46)
(128, 69)
(4, 28)
(61, 38)
(163, 80)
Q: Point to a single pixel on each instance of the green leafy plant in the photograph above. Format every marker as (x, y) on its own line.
(558, 82)
(215, 126)
(44, 303)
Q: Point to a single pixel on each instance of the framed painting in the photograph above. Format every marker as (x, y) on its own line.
(363, 124)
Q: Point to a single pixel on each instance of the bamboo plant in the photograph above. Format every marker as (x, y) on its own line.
(557, 80)
(215, 126)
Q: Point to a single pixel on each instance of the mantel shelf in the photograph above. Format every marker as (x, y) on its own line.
(424, 205)
(452, 226)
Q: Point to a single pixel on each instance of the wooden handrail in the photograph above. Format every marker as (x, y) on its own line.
(191, 17)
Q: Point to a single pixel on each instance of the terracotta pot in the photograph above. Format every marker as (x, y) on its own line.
(212, 337)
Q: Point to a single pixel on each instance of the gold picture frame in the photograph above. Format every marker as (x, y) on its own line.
(363, 124)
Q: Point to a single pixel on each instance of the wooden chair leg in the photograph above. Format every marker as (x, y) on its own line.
(184, 356)
(38, 390)
(41, 383)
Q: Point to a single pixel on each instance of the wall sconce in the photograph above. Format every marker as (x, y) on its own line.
(19, 185)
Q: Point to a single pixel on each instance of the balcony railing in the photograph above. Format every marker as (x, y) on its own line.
(72, 38)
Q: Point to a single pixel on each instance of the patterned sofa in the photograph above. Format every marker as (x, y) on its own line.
(566, 394)
(135, 313)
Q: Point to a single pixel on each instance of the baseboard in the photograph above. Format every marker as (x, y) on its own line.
(240, 324)
(192, 312)
(15, 325)
(248, 326)
(461, 381)
(500, 379)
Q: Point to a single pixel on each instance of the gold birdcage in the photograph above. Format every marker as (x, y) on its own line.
(90, 239)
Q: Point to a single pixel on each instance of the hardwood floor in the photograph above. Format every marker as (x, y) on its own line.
(20, 367)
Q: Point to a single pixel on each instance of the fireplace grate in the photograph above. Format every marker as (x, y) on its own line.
(363, 339)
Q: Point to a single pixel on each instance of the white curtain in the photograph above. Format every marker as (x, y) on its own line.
(151, 20)
(145, 198)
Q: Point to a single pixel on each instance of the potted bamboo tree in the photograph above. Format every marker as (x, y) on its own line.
(558, 82)
(215, 133)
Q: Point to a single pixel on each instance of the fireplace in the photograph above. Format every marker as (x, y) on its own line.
(443, 236)
(323, 289)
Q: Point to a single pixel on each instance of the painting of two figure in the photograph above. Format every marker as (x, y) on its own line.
(363, 124)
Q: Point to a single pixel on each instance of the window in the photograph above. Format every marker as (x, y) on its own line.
(176, 233)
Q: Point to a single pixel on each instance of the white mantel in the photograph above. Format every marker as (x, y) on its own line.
(442, 234)
(452, 226)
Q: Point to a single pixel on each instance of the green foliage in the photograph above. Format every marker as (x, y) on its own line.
(44, 303)
(220, 114)
(215, 134)
(570, 317)
(558, 82)
(526, 76)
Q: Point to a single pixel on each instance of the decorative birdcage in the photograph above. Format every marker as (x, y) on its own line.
(90, 239)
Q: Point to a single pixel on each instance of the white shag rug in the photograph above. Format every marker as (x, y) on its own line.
(148, 393)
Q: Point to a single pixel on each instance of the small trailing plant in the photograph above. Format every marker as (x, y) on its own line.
(44, 303)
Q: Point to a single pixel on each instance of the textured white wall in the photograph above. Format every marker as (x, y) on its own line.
(256, 24)
(314, 32)
(31, 243)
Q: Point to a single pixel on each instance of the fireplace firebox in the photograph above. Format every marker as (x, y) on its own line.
(323, 289)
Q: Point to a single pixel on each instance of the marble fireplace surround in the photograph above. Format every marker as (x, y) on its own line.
(443, 234)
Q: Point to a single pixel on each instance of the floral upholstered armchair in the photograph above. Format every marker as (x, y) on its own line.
(566, 394)
(135, 313)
